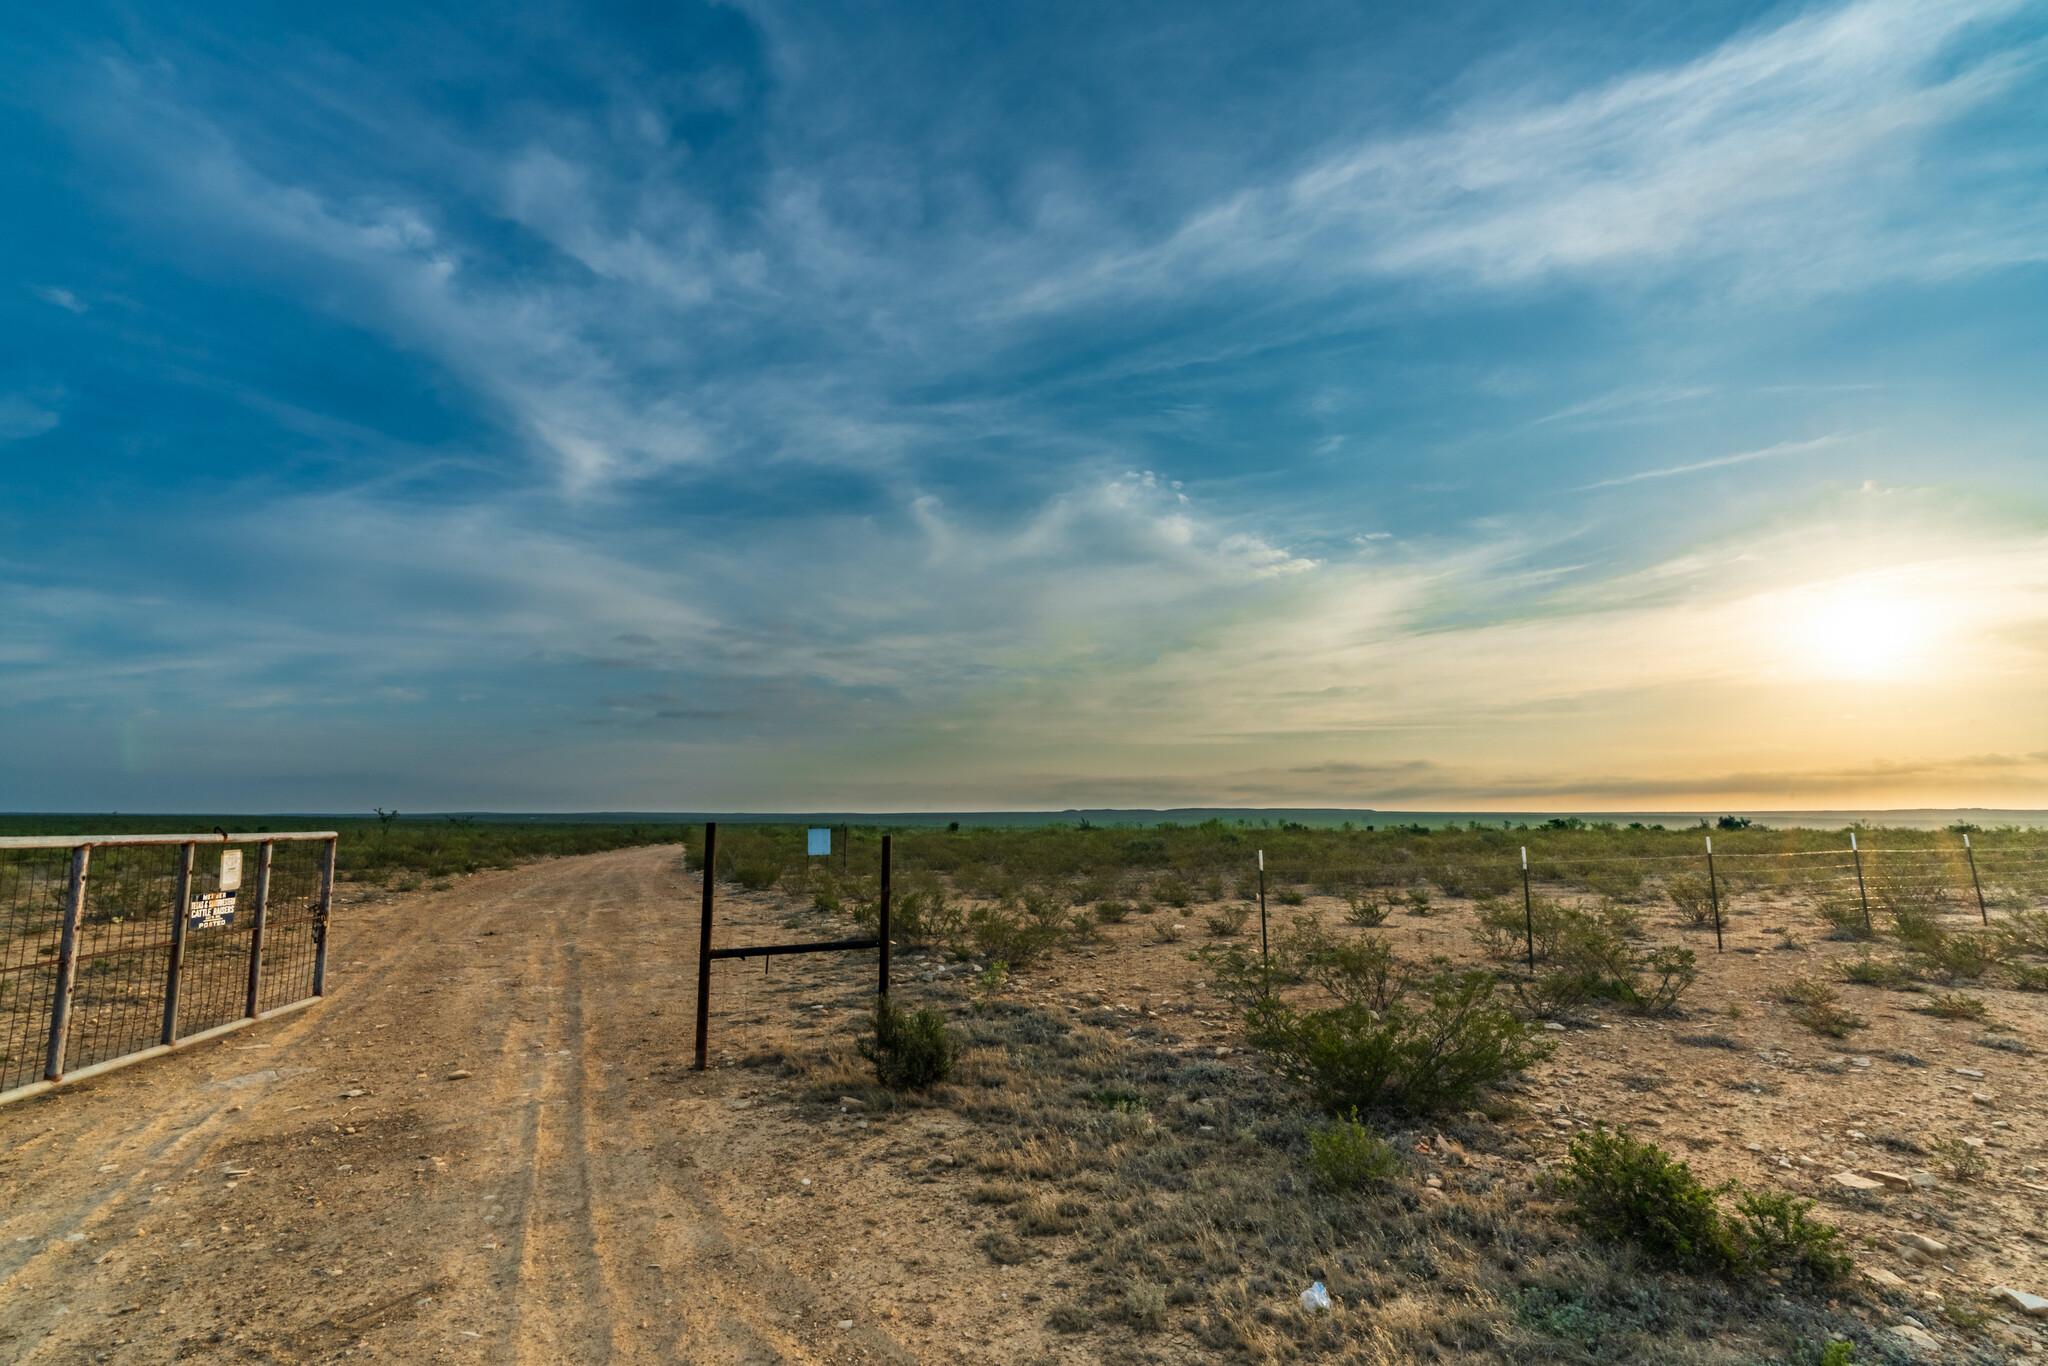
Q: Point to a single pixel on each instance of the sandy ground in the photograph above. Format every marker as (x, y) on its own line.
(488, 1145)
(318, 1186)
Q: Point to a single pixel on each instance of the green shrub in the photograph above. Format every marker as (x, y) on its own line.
(1289, 897)
(1629, 1191)
(910, 1052)
(2025, 978)
(1346, 1155)
(1961, 955)
(1045, 908)
(1555, 993)
(1840, 1352)
(1918, 929)
(1229, 921)
(1502, 926)
(1814, 1005)
(1591, 959)
(757, 875)
(1674, 969)
(1957, 1005)
(1367, 910)
(1173, 892)
(1000, 935)
(1776, 1234)
(1873, 972)
(1965, 1161)
(1626, 1191)
(1623, 881)
(1356, 972)
(1112, 912)
(988, 984)
(1845, 914)
(919, 912)
(1403, 1058)
(2026, 932)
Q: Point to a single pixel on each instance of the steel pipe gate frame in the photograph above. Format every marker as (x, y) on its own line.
(706, 954)
(77, 893)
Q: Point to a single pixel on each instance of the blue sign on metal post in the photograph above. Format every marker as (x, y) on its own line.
(821, 842)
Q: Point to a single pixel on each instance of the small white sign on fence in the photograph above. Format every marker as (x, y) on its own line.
(230, 869)
(821, 842)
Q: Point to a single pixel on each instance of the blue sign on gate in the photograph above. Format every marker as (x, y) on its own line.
(821, 842)
(212, 911)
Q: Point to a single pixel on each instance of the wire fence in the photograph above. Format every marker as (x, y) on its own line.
(113, 949)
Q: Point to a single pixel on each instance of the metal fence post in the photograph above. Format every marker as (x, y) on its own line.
(1861, 892)
(181, 915)
(1528, 910)
(320, 914)
(1265, 954)
(882, 931)
(704, 950)
(1714, 891)
(263, 852)
(67, 964)
(1982, 914)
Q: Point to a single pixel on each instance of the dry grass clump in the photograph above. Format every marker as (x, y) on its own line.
(1815, 1005)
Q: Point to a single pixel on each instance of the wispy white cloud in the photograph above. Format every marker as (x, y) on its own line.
(23, 416)
(1783, 448)
(62, 298)
(1794, 152)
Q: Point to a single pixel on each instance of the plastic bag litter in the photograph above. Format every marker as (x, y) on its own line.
(1315, 1297)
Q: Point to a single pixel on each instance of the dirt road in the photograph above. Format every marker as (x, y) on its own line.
(486, 1145)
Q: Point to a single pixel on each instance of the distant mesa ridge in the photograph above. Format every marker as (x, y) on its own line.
(1919, 818)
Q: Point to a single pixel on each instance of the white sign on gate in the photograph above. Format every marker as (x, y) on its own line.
(230, 869)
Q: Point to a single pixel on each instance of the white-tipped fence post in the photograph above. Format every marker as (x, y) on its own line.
(1982, 914)
(1714, 891)
(1861, 892)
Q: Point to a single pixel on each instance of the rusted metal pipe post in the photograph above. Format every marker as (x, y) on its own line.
(1982, 914)
(704, 950)
(1265, 953)
(181, 917)
(320, 917)
(1714, 891)
(1528, 910)
(882, 932)
(263, 853)
(67, 964)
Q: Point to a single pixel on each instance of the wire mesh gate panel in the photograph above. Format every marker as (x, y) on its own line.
(118, 948)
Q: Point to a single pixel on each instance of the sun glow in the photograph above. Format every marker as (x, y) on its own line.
(1858, 631)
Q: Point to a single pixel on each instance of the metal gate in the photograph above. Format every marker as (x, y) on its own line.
(117, 948)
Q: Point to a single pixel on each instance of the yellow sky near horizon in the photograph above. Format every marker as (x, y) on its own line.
(1896, 658)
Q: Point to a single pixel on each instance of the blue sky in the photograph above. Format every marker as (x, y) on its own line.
(905, 407)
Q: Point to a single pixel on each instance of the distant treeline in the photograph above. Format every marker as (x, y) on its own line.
(378, 849)
(1606, 857)
(1603, 857)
